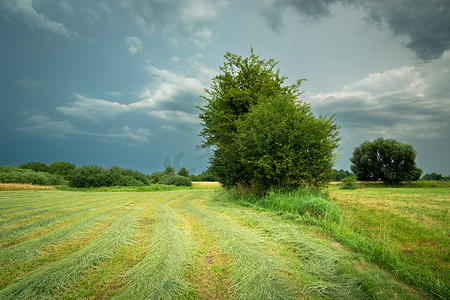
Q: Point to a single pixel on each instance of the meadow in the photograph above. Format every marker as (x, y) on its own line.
(200, 243)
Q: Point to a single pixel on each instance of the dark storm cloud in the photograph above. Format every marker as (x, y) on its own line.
(426, 23)
(182, 18)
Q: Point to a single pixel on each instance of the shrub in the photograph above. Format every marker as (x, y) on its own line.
(299, 201)
(349, 183)
(178, 181)
(156, 177)
(88, 176)
(125, 177)
(35, 166)
(18, 175)
(61, 168)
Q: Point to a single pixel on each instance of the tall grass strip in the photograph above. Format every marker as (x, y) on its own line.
(159, 274)
(254, 274)
(52, 279)
(21, 187)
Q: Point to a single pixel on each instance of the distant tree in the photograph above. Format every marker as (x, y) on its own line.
(338, 175)
(183, 172)
(88, 176)
(35, 166)
(169, 170)
(207, 175)
(385, 159)
(433, 176)
(61, 168)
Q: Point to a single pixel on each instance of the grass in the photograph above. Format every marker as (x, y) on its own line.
(201, 243)
(404, 229)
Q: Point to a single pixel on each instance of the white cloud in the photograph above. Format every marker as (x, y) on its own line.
(172, 98)
(134, 44)
(128, 135)
(24, 10)
(174, 116)
(407, 102)
(93, 109)
(172, 92)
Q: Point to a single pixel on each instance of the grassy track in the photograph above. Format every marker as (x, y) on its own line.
(187, 244)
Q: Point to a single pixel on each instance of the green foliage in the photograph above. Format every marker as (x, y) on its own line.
(88, 176)
(436, 177)
(385, 159)
(10, 174)
(183, 172)
(308, 203)
(296, 149)
(61, 168)
(95, 176)
(156, 177)
(235, 111)
(178, 181)
(207, 175)
(169, 170)
(168, 177)
(338, 175)
(349, 183)
(35, 166)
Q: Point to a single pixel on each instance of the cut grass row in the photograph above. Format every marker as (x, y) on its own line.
(179, 244)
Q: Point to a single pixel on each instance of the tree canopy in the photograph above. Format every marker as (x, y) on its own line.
(385, 160)
(260, 132)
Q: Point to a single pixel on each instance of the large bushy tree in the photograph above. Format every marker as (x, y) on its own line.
(236, 110)
(385, 160)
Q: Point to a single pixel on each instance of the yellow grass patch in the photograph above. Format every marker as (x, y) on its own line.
(206, 183)
(23, 186)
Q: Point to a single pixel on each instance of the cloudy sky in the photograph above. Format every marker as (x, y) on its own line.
(117, 82)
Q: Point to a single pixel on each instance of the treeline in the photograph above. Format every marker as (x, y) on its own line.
(64, 173)
(338, 175)
(10, 174)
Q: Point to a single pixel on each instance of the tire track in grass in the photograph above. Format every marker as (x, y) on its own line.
(160, 274)
(50, 280)
(208, 271)
(253, 273)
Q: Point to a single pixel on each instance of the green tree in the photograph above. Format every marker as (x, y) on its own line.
(61, 168)
(183, 172)
(295, 149)
(433, 176)
(243, 83)
(338, 175)
(88, 176)
(35, 166)
(246, 87)
(385, 160)
(169, 170)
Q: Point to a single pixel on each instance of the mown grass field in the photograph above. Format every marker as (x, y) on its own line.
(196, 244)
